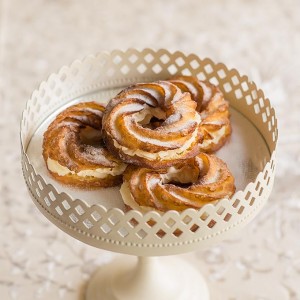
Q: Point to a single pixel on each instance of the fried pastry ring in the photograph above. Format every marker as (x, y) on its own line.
(214, 110)
(190, 184)
(152, 124)
(73, 150)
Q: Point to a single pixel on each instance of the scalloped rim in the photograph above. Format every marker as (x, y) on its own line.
(119, 81)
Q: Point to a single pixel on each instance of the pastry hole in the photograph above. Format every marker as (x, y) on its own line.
(153, 123)
(181, 184)
(150, 117)
(58, 210)
(182, 177)
(91, 136)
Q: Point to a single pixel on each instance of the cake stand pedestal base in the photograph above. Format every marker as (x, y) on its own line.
(147, 278)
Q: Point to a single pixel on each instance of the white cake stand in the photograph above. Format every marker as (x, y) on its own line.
(98, 218)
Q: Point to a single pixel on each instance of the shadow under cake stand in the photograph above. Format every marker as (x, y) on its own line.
(98, 218)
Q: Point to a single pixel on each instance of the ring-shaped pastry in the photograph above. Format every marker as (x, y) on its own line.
(190, 184)
(152, 124)
(74, 151)
(214, 110)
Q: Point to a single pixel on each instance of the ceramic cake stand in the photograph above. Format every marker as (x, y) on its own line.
(98, 218)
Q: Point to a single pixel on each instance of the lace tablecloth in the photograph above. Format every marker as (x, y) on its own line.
(259, 38)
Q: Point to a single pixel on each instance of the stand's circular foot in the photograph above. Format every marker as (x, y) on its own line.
(147, 279)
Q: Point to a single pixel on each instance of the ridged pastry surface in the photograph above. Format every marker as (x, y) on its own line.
(74, 151)
(192, 184)
(152, 124)
(214, 109)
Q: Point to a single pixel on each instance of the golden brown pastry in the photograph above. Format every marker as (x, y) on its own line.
(74, 151)
(214, 110)
(190, 184)
(152, 124)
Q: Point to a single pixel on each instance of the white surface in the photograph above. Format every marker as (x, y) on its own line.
(259, 38)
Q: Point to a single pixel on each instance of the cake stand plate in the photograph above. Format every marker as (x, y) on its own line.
(98, 217)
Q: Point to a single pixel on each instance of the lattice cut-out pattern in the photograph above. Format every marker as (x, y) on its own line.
(152, 233)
